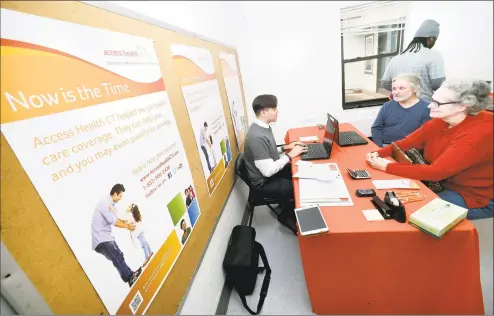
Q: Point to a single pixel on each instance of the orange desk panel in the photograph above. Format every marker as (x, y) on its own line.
(385, 267)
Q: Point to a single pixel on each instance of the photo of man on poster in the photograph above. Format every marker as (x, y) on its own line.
(103, 242)
(205, 140)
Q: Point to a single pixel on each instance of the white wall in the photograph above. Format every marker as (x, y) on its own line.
(295, 49)
(221, 20)
(295, 54)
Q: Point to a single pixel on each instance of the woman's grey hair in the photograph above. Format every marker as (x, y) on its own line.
(474, 94)
(412, 79)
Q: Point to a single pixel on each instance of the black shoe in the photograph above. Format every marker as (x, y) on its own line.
(135, 276)
(289, 222)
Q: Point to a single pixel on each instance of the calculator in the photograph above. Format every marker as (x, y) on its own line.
(359, 174)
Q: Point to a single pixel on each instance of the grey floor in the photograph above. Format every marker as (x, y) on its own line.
(288, 292)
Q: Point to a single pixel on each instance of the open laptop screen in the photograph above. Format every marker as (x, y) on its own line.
(329, 134)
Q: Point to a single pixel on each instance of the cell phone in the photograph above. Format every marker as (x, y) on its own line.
(365, 192)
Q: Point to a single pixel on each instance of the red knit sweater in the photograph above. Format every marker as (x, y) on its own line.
(461, 155)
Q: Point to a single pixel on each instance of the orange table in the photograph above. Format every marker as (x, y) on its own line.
(385, 267)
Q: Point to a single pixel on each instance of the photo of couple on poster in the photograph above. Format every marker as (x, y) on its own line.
(106, 218)
(103, 242)
(212, 149)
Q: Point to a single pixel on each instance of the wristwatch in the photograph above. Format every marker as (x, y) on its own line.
(289, 158)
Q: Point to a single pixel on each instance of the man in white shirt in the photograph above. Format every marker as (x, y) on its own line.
(268, 169)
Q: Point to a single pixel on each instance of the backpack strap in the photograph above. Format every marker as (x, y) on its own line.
(265, 282)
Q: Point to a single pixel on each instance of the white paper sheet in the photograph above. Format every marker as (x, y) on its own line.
(303, 162)
(393, 184)
(373, 215)
(323, 172)
(309, 139)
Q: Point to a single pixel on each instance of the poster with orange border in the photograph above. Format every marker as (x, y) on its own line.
(194, 67)
(87, 115)
(234, 93)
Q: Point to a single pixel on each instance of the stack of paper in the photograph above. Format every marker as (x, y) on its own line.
(323, 172)
(325, 193)
(437, 217)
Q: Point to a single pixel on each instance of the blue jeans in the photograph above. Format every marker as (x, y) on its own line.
(205, 151)
(110, 250)
(473, 213)
(145, 245)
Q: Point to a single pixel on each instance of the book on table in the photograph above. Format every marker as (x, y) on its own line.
(437, 217)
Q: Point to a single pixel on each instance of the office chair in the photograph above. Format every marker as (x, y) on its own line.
(255, 198)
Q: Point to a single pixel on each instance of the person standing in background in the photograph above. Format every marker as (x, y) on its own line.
(419, 58)
(402, 115)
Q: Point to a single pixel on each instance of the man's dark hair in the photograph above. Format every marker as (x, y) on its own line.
(205, 124)
(264, 101)
(117, 188)
(415, 46)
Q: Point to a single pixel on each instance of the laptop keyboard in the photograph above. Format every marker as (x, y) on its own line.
(351, 138)
(316, 151)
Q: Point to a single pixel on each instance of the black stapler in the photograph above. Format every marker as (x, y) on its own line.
(384, 209)
(391, 207)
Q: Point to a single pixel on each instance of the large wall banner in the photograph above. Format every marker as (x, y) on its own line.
(195, 69)
(87, 114)
(235, 100)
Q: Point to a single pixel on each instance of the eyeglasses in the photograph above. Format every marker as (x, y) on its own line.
(438, 104)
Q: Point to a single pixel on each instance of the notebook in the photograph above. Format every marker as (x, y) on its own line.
(437, 217)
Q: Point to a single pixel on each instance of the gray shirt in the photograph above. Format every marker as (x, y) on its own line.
(259, 145)
(102, 222)
(426, 63)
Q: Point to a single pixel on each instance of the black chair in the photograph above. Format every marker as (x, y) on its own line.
(255, 198)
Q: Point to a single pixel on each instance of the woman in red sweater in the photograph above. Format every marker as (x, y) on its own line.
(458, 144)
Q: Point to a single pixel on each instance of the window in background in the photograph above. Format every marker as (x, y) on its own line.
(371, 34)
(369, 51)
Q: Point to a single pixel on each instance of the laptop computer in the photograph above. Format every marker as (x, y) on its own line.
(346, 138)
(322, 150)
